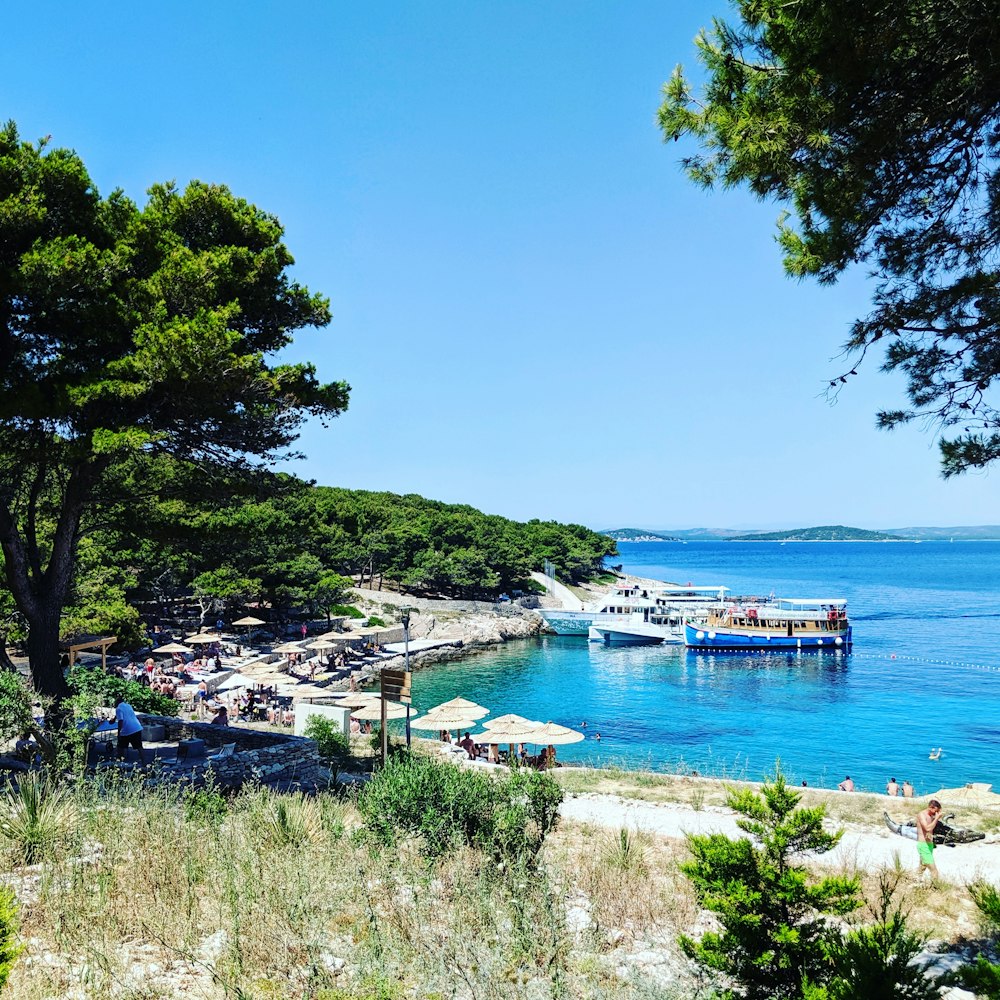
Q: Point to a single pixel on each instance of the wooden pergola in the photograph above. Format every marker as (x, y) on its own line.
(102, 644)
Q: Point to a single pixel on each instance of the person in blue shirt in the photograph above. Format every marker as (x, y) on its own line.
(129, 728)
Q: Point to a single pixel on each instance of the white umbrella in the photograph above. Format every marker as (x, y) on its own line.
(508, 732)
(393, 710)
(173, 647)
(505, 720)
(439, 722)
(289, 647)
(459, 707)
(234, 682)
(357, 699)
(554, 735)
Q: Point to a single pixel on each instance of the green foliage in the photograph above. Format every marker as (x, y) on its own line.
(876, 960)
(505, 815)
(774, 934)
(332, 745)
(105, 688)
(135, 339)
(17, 715)
(376, 622)
(983, 977)
(345, 611)
(204, 805)
(9, 948)
(876, 125)
(36, 818)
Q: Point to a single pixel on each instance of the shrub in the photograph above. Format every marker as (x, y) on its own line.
(106, 688)
(332, 745)
(376, 622)
(505, 815)
(773, 935)
(983, 978)
(345, 611)
(9, 948)
(35, 818)
(877, 960)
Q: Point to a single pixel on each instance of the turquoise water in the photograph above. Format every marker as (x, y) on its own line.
(925, 672)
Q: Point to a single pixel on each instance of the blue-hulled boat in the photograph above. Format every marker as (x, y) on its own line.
(774, 623)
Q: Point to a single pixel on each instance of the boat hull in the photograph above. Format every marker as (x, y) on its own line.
(723, 639)
(636, 634)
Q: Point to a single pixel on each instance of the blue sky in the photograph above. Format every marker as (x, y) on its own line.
(539, 315)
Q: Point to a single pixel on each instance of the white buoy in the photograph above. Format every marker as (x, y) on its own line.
(838, 641)
(711, 635)
(819, 642)
(699, 636)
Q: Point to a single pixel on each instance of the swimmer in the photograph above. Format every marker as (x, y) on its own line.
(935, 753)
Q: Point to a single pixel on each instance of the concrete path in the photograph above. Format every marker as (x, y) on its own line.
(570, 602)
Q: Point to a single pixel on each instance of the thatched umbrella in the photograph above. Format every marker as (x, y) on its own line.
(393, 710)
(554, 735)
(459, 706)
(173, 647)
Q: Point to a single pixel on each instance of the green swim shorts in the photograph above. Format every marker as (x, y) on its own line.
(926, 852)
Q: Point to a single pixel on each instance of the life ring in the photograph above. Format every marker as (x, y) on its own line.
(832, 616)
(751, 612)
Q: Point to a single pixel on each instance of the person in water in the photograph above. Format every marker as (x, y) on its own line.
(846, 785)
(892, 788)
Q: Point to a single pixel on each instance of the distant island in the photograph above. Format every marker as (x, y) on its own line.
(638, 535)
(826, 533)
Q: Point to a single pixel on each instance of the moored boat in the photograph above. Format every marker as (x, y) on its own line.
(774, 623)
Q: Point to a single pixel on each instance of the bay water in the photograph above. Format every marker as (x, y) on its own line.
(924, 672)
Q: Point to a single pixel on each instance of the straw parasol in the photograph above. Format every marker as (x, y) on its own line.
(234, 682)
(250, 621)
(373, 711)
(319, 644)
(173, 647)
(201, 639)
(459, 707)
(289, 647)
(504, 720)
(438, 721)
(554, 735)
(973, 794)
(508, 732)
(357, 699)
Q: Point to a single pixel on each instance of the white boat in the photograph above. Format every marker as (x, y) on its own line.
(627, 601)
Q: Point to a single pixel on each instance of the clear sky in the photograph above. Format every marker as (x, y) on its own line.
(539, 315)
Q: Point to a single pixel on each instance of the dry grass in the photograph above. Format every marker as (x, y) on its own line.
(278, 898)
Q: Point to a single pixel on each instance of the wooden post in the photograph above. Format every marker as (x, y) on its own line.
(385, 730)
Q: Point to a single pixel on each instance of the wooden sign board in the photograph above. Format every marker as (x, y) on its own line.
(396, 686)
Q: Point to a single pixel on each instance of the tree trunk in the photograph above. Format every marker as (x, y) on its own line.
(42, 647)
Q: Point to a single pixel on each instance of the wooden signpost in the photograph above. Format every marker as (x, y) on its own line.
(395, 687)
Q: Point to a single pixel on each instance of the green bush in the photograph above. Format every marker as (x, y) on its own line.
(345, 611)
(774, 936)
(376, 622)
(106, 688)
(507, 815)
(332, 745)
(983, 978)
(36, 818)
(9, 948)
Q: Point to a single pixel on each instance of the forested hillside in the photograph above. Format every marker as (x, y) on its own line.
(293, 545)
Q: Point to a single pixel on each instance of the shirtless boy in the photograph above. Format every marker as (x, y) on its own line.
(926, 823)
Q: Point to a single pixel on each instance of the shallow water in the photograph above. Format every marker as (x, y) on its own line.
(925, 672)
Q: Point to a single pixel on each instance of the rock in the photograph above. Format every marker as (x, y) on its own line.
(210, 950)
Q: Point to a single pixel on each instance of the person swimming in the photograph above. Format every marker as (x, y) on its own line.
(935, 753)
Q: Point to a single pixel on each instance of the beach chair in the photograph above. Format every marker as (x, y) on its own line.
(226, 750)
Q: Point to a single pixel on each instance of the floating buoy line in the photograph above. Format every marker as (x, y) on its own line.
(933, 660)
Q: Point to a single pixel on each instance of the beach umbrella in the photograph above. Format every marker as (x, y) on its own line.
(234, 682)
(173, 647)
(289, 647)
(554, 735)
(357, 699)
(438, 721)
(975, 794)
(373, 711)
(508, 732)
(319, 644)
(201, 639)
(250, 621)
(504, 720)
(462, 706)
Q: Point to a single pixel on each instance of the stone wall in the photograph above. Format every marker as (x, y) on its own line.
(260, 756)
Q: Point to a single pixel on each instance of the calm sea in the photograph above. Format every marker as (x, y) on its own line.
(925, 672)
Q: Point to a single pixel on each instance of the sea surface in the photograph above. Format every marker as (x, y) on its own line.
(925, 672)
